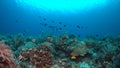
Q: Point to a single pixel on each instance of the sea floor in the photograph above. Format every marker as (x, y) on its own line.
(64, 51)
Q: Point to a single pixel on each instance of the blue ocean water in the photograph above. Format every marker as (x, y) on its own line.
(47, 17)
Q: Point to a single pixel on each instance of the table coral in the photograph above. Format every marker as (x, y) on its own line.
(80, 49)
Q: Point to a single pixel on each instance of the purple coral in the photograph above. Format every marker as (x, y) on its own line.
(6, 55)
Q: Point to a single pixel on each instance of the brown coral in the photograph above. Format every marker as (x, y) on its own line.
(40, 58)
(6, 56)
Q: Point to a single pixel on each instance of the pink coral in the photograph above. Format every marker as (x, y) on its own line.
(6, 55)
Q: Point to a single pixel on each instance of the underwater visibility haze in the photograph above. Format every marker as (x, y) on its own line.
(59, 33)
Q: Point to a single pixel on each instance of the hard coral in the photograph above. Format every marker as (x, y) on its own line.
(39, 58)
(6, 56)
(80, 49)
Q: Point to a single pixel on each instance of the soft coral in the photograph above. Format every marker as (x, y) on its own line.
(6, 56)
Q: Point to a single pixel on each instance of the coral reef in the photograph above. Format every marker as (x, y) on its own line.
(64, 51)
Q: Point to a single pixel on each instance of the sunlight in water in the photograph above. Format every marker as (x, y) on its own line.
(63, 5)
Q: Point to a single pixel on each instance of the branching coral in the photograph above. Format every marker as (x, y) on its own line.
(39, 58)
(6, 56)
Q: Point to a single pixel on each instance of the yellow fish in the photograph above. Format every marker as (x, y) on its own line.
(73, 57)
